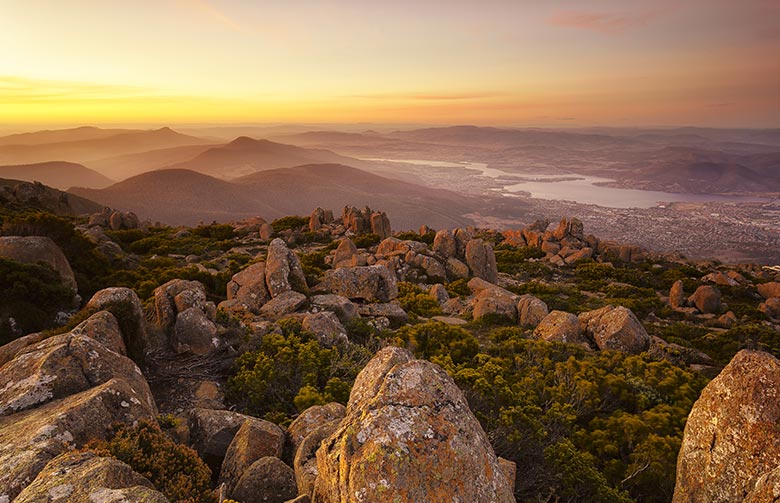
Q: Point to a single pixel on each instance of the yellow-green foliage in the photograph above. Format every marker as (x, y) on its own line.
(414, 300)
(435, 339)
(174, 469)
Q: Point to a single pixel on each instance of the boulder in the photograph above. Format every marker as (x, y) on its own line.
(33, 437)
(456, 269)
(310, 419)
(514, 237)
(719, 278)
(408, 435)
(305, 461)
(731, 437)
(497, 302)
(615, 328)
(677, 295)
(433, 269)
(575, 255)
(254, 440)
(326, 327)
(125, 305)
(444, 244)
(390, 310)
(267, 480)
(344, 308)
(531, 310)
(374, 283)
(212, 431)
(34, 249)
(481, 260)
(284, 303)
(771, 307)
(103, 328)
(283, 271)
(83, 477)
(560, 326)
(769, 290)
(380, 224)
(346, 254)
(194, 333)
(679, 355)
(193, 294)
(248, 287)
(316, 219)
(706, 298)
(439, 292)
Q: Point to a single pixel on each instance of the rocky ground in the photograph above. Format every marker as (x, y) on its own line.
(434, 308)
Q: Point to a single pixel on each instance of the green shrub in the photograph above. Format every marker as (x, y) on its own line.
(458, 288)
(173, 469)
(366, 240)
(414, 300)
(289, 223)
(435, 339)
(413, 236)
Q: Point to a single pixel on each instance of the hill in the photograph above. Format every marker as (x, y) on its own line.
(178, 196)
(244, 156)
(60, 135)
(124, 166)
(19, 194)
(96, 148)
(58, 174)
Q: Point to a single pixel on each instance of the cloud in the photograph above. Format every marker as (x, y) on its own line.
(607, 23)
(426, 96)
(212, 13)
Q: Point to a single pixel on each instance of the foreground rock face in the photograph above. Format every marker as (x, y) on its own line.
(731, 442)
(83, 477)
(34, 249)
(125, 305)
(255, 439)
(408, 436)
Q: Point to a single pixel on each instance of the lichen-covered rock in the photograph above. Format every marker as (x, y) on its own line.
(373, 283)
(444, 244)
(267, 480)
(344, 308)
(380, 224)
(194, 333)
(326, 327)
(189, 293)
(677, 295)
(456, 269)
(104, 328)
(284, 303)
(31, 438)
(212, 431)
(283, 271)
(82, 477)
(531, 310)
(305, 461)
(731, 437)
(254, 440)
(408, 436)
(248, 287)
(311, 419)
(390, 310)
(125, 305)
(432, 268)
(439, 292)
(679, 355)
(771, 307)
(346, 254)
(34, 249)
(706, 298)
(615, 328)
(481, 260)
(496, 302)
(560, 326)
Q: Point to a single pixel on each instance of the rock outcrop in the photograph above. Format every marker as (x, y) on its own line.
(248, 287)
(731, 443)
(283, 270)
(34, 249)
(706, 298)
(125, 305)
(560, 326)
(254, 440)
(615, 328)
(408, 436)
(374, 283)
(531, 310)
(481, 260)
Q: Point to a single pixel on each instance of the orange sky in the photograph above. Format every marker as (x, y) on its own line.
(518, 62)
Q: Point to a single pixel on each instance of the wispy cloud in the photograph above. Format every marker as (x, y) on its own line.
(212, 13)
(608, 23)
(422, 96)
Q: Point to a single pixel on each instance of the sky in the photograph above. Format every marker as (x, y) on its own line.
(487, 62)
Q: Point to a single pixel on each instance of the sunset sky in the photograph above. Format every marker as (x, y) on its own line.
(503, 62)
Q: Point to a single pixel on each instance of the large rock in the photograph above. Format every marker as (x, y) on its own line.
(254, 440)
(496, 302)
(706, 298)
(30, 439)
(34, 249)
(481, 260)
(531, 310)
(615, 328)
(103, 328)
(313, 417)
(344, 308)
(346, 254)
(380, 224)
(375, 283)
(560, 326)
(731, 437)
(326, 327)
(393, 311)
(125, 305)
(267, 480)
(677, 295)
(194, 333)
(305, 461)
(283, 271)
(284, 303)
(82, 477)
(769, 290)
(248, 286)
(771, 307)
(175, 296)
(444, 244)
(408, 435)
(212, 432)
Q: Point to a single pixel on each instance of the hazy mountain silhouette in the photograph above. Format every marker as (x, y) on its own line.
(58, 174)
(177, 196)
(61, 135)
(124, 166)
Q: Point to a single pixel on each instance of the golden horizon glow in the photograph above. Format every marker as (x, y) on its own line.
(499, 62)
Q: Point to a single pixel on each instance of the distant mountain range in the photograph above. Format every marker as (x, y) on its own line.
(177, 196)
(58, 174)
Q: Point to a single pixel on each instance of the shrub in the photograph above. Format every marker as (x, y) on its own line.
(414, 300)
(174, 469)
(289, 223)
(366, 240)
(435, 339)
